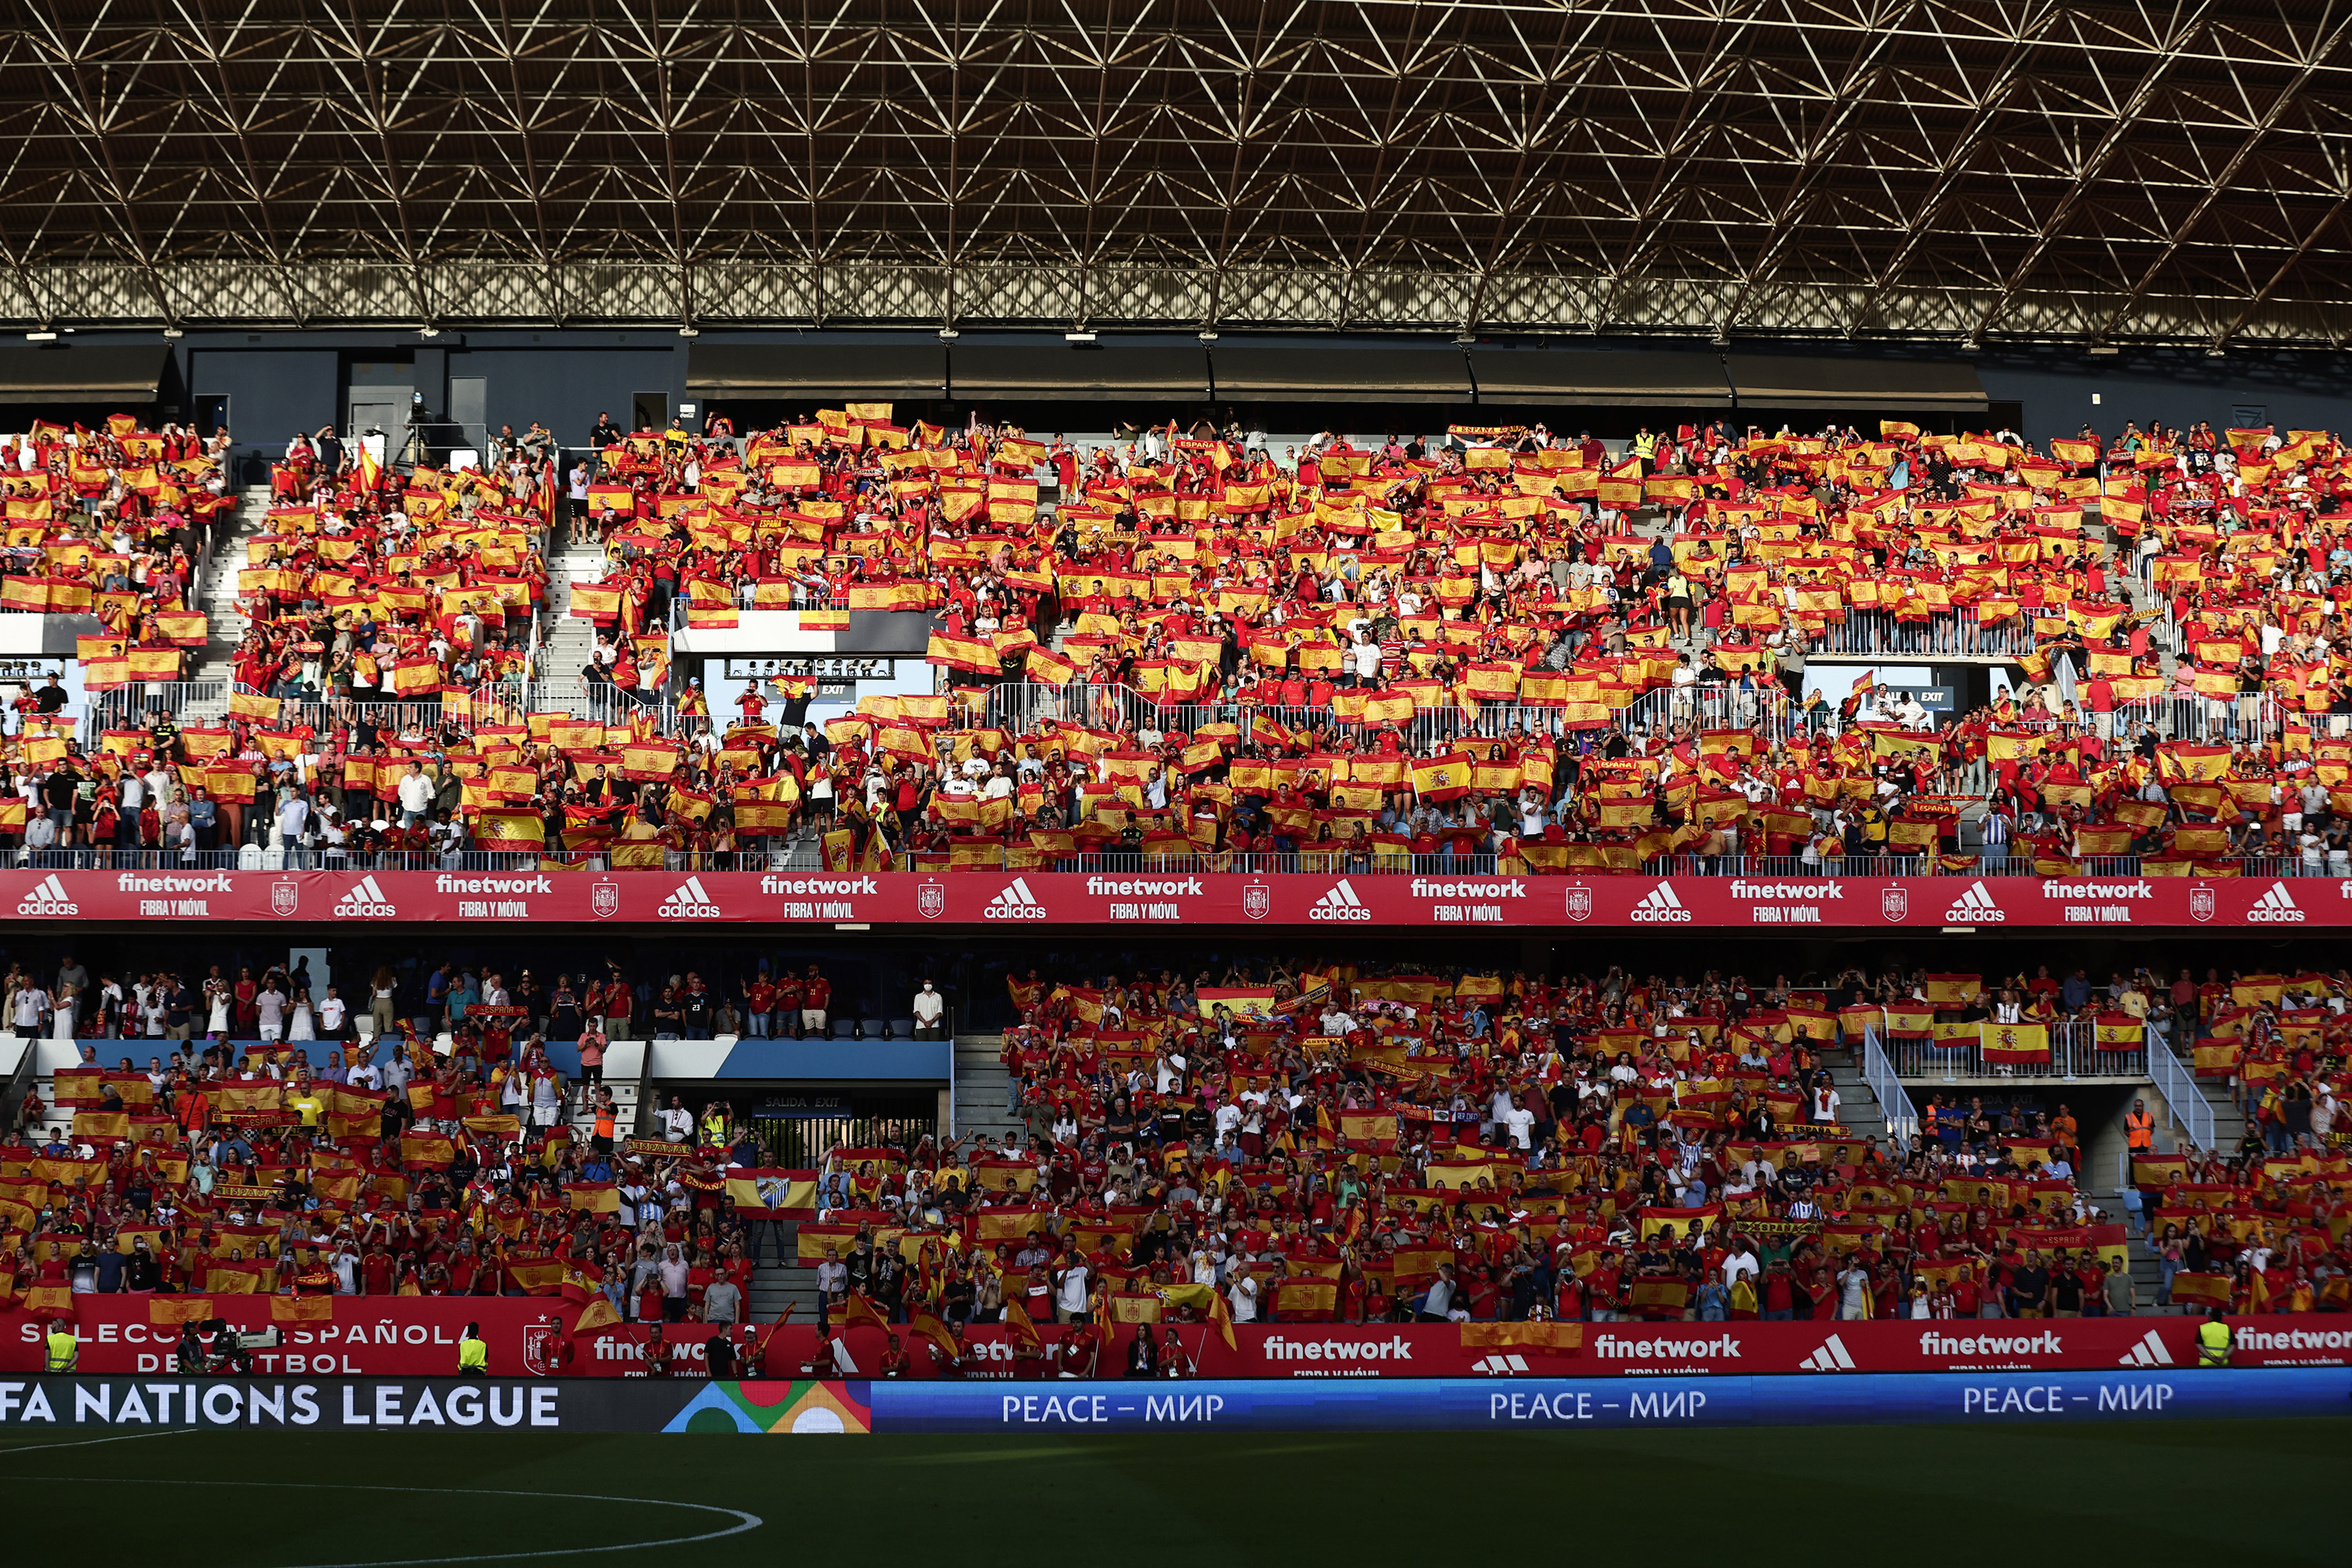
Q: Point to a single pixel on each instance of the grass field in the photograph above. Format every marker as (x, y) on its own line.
(1924, 1494)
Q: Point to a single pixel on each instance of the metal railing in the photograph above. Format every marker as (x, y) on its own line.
(1018, 705)
(129, 706)
(256, 857)
(1948, 635)
(2191, 1114)
(2074, 1052)
(1894, 1107)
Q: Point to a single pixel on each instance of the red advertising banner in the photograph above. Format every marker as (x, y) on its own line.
(411, 1336)
(1015, 901)
(1633, 1349)
(367, 1336)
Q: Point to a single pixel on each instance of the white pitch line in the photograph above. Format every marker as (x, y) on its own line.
(744, 1520)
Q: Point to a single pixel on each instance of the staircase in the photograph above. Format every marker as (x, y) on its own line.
(775, 1286)
(225, 624)
(570, 641)
(1858, 1108)
(981, 1086)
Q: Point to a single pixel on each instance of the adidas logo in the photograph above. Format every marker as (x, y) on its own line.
(2276, 907)
(48, 898)
(687, 902)
(1975, 908)
(1499, 1366)
(364, 902)
(1830, 1357)
(1340, 904)
(1660, 907)
(2150, 1351)
(1015, 903)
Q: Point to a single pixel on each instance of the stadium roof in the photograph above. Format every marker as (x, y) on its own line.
(1959, 169)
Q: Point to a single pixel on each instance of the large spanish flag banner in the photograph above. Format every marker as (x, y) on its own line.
(2016, 1044)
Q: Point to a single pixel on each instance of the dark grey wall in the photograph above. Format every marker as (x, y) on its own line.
(562, 388)
(2302, 391)
(273, 392)
(281, 380)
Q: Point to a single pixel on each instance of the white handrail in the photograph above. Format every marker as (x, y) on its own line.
(1894, 1105)
(2192, 1113)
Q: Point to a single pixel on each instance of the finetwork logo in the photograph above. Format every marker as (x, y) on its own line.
(48, 899)
(1340, 904)
(1660, 907)
(1500, 1366)
(1830, 1357)
(2276, 907)
(2150, 1351)
(688, 902)
(364, 902)
(1015, 903)
(1975, 908)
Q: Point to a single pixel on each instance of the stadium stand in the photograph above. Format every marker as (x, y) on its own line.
(1509, 652)
(1302, 1142)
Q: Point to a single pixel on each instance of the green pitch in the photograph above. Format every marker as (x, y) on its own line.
(277, 1500)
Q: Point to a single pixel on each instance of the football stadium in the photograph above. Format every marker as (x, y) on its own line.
(1190, 762)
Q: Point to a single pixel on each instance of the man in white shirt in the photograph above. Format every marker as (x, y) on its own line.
(678, 1121)
(929, 1008)
(415, 795)
(1070, 1292)
(1740, 1264)
(1241, 1297)
(1520, 1122)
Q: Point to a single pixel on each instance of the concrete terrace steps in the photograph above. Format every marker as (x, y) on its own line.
(568, 641)
(980, 1091)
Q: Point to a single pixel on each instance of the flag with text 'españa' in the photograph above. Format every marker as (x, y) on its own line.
(2016, 1044)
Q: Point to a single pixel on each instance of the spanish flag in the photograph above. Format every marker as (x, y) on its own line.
(1442, 778)
(2016, 1044)
(1865, 683)
(511, 827)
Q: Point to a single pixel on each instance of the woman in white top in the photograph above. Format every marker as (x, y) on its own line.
(61, 1022)
(216, 1017)
(299, 1025)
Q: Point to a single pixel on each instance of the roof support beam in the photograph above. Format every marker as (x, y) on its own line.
(2189, 22)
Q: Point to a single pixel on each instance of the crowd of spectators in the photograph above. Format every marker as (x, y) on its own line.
(113, 523)
(1316, 1143)
(1300, 1142)
(1190, 646)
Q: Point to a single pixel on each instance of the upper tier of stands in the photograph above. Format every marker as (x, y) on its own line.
(1510, 650)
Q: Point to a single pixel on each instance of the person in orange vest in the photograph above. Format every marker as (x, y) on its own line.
(2140, 1129)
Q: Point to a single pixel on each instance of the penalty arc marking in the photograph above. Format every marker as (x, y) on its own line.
(743, 1522)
